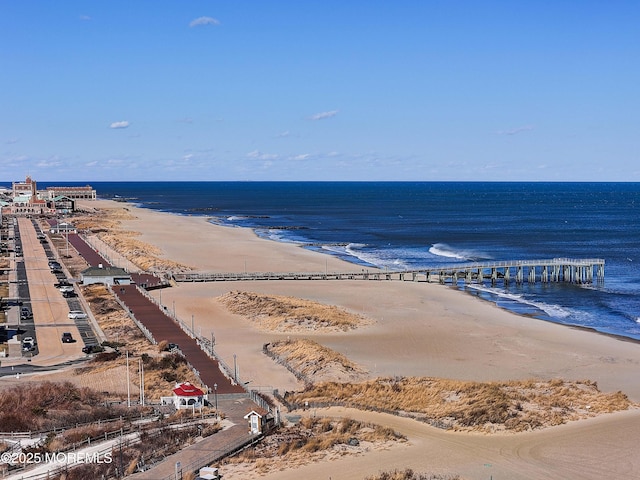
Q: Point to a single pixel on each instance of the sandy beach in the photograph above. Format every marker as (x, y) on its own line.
(418, 329)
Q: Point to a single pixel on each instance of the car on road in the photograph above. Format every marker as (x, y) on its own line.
(67, 337)
(73, 314)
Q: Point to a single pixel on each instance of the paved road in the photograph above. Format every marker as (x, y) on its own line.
(49, 307)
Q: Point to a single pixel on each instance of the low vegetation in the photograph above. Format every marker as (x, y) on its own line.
(48, 405)
(310, 440)
(278, 313)
(154, 444)
(313, 363)
(409, 474)
(113, 320)
(471, 406)
(106, 224)
(162, 369)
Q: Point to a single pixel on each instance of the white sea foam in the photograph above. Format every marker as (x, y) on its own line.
(378, 258)
(444, 250)
(554, 311)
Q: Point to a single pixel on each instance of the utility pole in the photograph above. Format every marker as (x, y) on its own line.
(128, 383)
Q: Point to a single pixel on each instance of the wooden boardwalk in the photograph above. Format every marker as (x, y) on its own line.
(572, 270)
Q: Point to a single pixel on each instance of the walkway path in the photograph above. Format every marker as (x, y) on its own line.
(210, 447)
(162, 327)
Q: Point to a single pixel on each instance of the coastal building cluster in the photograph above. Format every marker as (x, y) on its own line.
(25, 199)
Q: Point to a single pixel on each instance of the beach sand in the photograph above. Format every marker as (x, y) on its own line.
(419, 329)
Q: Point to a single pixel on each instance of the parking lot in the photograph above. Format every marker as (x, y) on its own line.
(48, 306)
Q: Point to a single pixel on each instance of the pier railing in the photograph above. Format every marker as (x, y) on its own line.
(572, 270)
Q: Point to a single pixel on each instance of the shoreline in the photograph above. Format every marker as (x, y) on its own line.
(216, 221)
(420, 329)
(417, 330)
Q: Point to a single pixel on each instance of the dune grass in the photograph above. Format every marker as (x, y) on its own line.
(472, 406)
(312, 439)
(409, 474)
(106, 224)
(279, 313)
(314, 362)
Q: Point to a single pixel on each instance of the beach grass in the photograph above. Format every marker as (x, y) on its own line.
(490, 407)
(279, 313)
(313, 439)
(314, 362)
(106, 224)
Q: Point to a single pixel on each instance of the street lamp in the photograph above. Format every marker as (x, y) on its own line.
(215, 396)
(235, 368)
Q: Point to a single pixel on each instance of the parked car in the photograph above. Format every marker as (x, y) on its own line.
(65, 288)
(67, 337)
(25, 312)
(93, 349)
(73, 314)
(69, 294)
(28, 344)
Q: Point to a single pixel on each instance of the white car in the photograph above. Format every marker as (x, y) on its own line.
(73, 314)
(66, 289)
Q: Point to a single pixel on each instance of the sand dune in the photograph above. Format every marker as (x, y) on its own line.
(416, 329)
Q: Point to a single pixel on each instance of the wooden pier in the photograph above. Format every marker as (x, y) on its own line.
(570, 270)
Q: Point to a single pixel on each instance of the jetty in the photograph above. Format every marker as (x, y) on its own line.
(570, 270)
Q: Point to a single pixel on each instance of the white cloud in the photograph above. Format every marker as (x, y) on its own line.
(283, 134)
(85, 18)
(203, 21)
(258, 155)
(52, 162)
(323, 115)
(302, 156)
(122, 124)
(515, 131)
(11, 141)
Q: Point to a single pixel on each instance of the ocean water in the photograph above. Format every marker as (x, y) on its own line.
(409, 225)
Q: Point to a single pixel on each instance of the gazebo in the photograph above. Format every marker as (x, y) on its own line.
(186, 395)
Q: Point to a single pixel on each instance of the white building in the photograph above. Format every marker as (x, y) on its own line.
(107, 276)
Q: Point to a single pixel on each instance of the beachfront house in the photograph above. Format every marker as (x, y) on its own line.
(105, 275)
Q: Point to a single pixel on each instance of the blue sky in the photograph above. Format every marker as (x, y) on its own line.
(320, 90)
